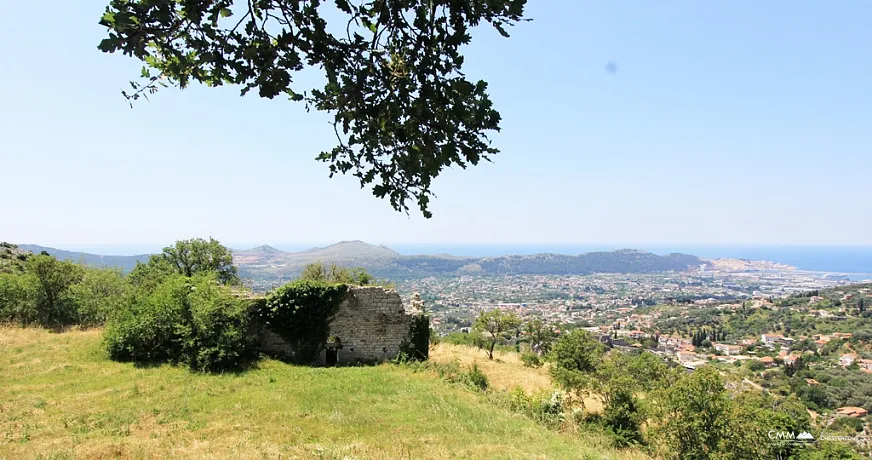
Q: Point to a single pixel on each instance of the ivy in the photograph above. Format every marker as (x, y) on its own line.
(300, 313)
(417, 346)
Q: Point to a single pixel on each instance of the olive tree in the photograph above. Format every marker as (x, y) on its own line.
(495, 325)
(189, 258)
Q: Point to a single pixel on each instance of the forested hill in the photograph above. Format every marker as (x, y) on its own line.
(384, 262)
(265, 262)
(125, 263)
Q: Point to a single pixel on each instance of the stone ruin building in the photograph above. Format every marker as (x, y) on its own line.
(372, 325)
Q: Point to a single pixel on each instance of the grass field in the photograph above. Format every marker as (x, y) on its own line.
(61, 398)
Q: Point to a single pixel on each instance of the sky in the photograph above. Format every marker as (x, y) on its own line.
(624, 122)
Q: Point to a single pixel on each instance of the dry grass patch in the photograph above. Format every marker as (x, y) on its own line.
(506, 371)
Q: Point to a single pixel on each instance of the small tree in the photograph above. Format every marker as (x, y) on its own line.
(575, 356)
(101, 292)
(314, 272)
(496, 325)
(540, 336)
(195, 256)
(54, 304)
(319, 272)
(695, 415)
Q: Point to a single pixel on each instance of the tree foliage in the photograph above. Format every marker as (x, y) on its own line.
(100, 293)
(402, 107)
(319, 272)
(695, 415)
(197, 256)
(539, 335)
(193, 321)
(575, 356)
(496, 325)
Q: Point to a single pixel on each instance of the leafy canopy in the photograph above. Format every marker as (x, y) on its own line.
(496, 325)
(187, 258)
(402, 108)
(317, 271)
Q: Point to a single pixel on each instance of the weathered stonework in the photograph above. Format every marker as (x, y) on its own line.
(372, 324)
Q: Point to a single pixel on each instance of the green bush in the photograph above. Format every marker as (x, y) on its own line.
(100, 293)
(544, 408)
(146, 330)
(476, 378)
(218, 336)
(418, 345)
(17, 299)
(41, 295)
(471, 339)
(531, 360)
(194, 321)
(52, 293)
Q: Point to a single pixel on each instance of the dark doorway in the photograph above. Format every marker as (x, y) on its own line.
(332, 356)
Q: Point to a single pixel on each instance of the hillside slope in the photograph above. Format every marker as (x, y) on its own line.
(60, 398)
(125, 263)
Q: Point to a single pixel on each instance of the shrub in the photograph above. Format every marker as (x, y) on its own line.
(184, 320)
(145, 330)
(531, 360)
(452, 372)
(53, 303)
(623, 418)
(476, 378)
(17, 299)
(101, 292)
(218, 336)
(417, 346)
(472, 339)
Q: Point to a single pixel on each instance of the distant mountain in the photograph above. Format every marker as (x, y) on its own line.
(125, 263)
(385, 262)
(267, 262)
(265, 249)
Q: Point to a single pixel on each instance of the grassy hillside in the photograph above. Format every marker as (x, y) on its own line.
(506, 371)
(60, 398)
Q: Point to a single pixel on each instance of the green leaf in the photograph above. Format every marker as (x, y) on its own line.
(108, 19)
(226, 13)
(107, 45)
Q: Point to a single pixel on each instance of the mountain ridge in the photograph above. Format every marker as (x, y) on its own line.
(265, 262)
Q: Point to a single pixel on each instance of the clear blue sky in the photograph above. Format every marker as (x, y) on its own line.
(726, 122)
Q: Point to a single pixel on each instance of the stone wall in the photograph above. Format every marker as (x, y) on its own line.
(372, 323)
